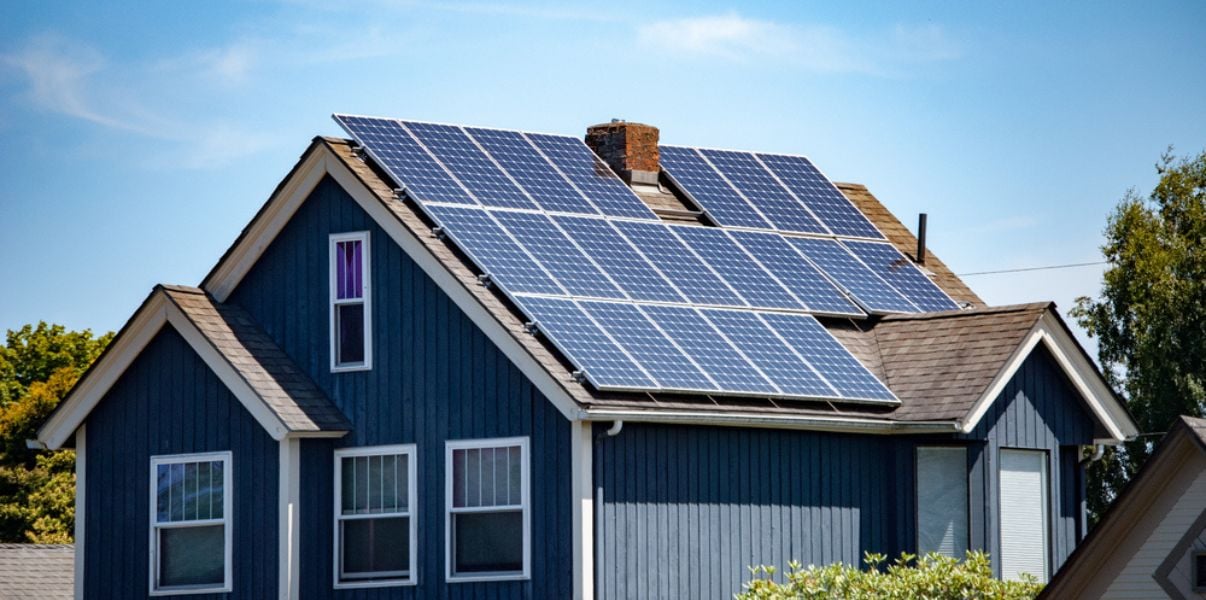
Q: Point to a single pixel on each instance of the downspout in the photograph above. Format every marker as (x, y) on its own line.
(1084, 495)
(616, 426)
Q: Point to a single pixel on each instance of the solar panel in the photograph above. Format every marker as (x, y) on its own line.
(494, 251)
(713, 194)
(469, 165)
(766, 350)
(796, 273)
(810, 340)
(591, 175)
(532, 171)
(820, 195)
(899, 271)
(619, 259)
(673, 259)
(750, 280)
(605, 365)
(572, 269)
(763, 191)
(648, 346)
(407, 162)
(872, 292)
(716, 356)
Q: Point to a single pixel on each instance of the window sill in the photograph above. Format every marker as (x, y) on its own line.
(351, 368)
(190, 591)
(352, 585)
(487, 577)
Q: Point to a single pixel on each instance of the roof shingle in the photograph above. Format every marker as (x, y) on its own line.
(43, 571)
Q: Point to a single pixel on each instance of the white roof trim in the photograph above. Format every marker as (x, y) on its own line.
(1081, 373)
(775, 421)
(281, 207)
(143, 327)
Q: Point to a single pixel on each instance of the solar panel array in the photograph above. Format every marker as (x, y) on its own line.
(636, 303)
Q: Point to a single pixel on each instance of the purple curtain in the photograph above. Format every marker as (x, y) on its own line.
(349, 282)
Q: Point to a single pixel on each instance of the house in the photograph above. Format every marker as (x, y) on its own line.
(1151, 543)
(36, 571)
(449, 362)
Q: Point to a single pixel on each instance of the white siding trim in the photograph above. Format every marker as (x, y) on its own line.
(81, 472)
(581, 458)
(289, 531)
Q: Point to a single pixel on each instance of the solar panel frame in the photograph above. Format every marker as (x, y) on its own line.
(560, 256)
(867, 288)
(493, 249)
(758, 185)
(694, 279)
(900, 272)
(469, 164)
(700, 181)
(796, 273)
(547, 186)
(644, 341)
(817, 192)
(615, 255)
(569, 155)
(831, 360)
(744, 275)
(413, 168)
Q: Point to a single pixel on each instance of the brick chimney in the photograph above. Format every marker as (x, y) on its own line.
(630, 148)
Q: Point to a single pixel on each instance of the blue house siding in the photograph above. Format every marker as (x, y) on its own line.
(1039, 410)
(435, 377)
(169, 402)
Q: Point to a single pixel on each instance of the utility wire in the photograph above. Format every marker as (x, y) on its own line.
(1046, 268)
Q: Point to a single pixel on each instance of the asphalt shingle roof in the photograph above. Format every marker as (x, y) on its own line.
(43, 571)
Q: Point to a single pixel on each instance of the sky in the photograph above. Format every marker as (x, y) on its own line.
(139, 138)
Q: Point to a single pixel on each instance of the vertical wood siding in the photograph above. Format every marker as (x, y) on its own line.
(169, 402)
(435, 377)
(1038, 410)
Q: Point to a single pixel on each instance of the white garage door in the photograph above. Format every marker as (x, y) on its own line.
(1024, 513)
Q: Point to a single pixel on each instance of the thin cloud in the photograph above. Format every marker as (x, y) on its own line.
(820, 48)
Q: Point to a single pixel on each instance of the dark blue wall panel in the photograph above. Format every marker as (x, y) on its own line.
(169, 402)
(435, 377)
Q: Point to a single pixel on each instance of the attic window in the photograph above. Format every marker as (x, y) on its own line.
(351, 318)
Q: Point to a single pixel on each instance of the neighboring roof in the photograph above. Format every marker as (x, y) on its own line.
(1147, 494)
(42, 571)
(276, 392)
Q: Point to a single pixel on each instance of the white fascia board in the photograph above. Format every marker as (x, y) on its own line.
(1081, 373)
(583, 509)
(775, 421)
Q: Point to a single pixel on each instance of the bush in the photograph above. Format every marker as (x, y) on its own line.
(932, 577)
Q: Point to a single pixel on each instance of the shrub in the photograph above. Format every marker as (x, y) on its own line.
(931, 577)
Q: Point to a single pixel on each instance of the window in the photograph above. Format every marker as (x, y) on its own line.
(190, 523)
(488, 529)
(942, 500)
(375, 535)
(351, 317)
(1199, 571)
(1024, 510)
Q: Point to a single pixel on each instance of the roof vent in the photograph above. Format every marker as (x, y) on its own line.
(629, 148)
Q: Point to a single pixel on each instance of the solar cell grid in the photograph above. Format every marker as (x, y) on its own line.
(899, 271)
(619, 259)
(469, 164)
(744, 275)
(867, 288)
(716, 356)
(709, 189)
(835, 364)
(819, 194)
(407, 162)
(590, 175)
(796, 273)
(763, 191)
(494, 251)
(569, 329)
(673, 259)
(533, 172)
(790, 373)
(644, 343)
(572, 269)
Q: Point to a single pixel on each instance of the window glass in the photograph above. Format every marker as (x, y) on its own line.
(350, 301)
(488, 518)
(189, 522)
(374, 520)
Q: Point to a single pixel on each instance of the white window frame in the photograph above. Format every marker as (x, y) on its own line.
(226, 521)
(963, 450)
(367, 300)
(1045, 506)
(407, 450)
(525, 501)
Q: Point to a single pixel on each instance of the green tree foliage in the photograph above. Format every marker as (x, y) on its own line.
(38, 366)
(1150, 320)
(932, 577)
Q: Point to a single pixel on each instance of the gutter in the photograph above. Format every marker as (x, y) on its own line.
(810, 422)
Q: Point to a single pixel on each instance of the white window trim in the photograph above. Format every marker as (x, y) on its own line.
(367, 300)
(525, 500)
(226, 520)
(917, 492)
(408, 450)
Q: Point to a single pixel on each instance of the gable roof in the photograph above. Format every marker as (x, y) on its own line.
(42, 571)
(905, 350)
(273, 389)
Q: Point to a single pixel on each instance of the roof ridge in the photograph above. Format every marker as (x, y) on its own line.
(969, 312)
(186, 289)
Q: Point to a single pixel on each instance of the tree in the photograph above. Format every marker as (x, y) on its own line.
(38, 367)
(1150, 320)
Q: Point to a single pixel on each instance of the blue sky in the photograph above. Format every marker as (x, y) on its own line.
(139, 138)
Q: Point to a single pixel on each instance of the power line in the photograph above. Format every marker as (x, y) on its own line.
(1046, 268)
